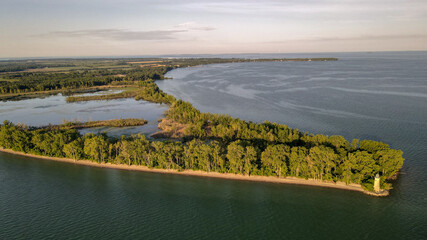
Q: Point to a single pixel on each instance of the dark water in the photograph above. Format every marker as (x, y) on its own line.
(381, 96)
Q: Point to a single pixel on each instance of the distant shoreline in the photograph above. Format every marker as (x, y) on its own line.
(231, 176)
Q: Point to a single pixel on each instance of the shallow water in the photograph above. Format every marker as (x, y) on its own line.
(377, 96)
(54, 109)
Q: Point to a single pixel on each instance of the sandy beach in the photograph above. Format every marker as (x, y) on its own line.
(287, 180)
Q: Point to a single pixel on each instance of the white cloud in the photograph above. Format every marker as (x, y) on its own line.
(194, 26)
(354, 38)
(126, 35)
(117, 34)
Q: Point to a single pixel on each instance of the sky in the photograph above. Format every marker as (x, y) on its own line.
(67, 28)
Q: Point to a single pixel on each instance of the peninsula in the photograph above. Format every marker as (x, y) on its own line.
(193, 143)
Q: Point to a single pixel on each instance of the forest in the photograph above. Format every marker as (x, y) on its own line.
(222, 144)
(209, 142)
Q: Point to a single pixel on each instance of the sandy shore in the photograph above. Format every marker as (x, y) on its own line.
(287, 180)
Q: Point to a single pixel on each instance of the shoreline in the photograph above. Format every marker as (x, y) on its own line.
(198, 173)
(30, 95)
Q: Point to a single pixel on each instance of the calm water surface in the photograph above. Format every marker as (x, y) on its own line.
(380, 96)
(54, 109)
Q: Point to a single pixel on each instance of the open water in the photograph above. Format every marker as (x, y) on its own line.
(379, 96)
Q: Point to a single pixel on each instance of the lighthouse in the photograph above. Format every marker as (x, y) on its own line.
(377, 187)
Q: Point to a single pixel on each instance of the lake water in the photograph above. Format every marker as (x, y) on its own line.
(54, 109)
(380, 96)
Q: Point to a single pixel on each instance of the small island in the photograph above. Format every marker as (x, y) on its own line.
(127, 122)
(191, 142)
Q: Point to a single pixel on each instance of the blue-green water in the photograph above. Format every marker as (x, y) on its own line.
(380, 96)
(42, 199)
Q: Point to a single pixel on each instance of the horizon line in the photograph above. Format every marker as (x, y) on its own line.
(190, 54)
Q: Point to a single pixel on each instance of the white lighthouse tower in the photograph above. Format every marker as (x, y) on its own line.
(377, 186)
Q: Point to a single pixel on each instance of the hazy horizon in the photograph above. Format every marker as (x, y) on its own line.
(321, 54)
(48, 28)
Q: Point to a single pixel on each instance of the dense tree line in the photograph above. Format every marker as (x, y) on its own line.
(16, 66)
(30, 82)
(276, 150)
(283, 151)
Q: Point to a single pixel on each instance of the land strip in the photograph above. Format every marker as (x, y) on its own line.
(198, 173)
(29, 95)
(127, 122)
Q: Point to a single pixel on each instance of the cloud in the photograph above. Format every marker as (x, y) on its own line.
(194, 26)
(374, 37)
(126, 35)
(118, 34)
(354, 38)
(321, 10)
(304, 6)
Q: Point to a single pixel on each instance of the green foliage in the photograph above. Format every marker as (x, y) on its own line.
(96, 147)
(249, 160)
(74, 149)
(298, 165)
(25, 82)
(373, 146)
(235, 156)
(362, 166)
(389, 161)
(275, 156)
(324, 162)
(274, 159)
(51, 143)
(287, 152)
(149, 91)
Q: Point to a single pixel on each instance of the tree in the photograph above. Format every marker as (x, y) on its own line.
(20, 140)
(348, 166)
(125, 151)
(140, 149)
(354, 144)
(298, 161)
(324, 160)
(218, 160)
(96, 147)
(6, 135)
(363, 165)
(158, 155)
(235, 154)
(390, 161)
(373, 146)
(274, 158)
(192, 154)
(339, 142)
(74, 149)
(249, 159)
